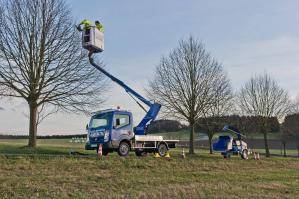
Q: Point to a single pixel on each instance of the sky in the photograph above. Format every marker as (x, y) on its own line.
(247, 37)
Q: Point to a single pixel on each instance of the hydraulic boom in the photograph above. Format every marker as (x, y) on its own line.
(151, 113)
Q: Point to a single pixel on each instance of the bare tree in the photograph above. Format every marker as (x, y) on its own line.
(184, 83)
(295, 106)
(261, 96)
(41, 60)
(221, 105)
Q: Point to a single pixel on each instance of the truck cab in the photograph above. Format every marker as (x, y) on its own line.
(108, 128)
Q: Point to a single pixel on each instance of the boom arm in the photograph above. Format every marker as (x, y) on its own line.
(233, 130)
(154, 108)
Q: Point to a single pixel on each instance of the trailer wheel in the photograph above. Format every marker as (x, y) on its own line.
(244, 154)
(162, 149)
(123, 149)
(140, 153)
(226, 156)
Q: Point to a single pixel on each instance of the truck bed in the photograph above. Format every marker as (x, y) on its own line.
(151, 141)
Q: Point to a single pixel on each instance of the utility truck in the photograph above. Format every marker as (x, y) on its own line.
(112, 129)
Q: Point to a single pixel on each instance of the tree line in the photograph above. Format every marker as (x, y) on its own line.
(290, 130)
(246, 124)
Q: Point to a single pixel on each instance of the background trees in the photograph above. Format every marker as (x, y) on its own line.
(261, 96)
(290, 130)
(41, 60)
(159, 126)
(185, 81)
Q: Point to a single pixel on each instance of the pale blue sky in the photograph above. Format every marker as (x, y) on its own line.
(248, 37)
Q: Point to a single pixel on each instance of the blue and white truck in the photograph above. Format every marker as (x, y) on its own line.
(112, 129)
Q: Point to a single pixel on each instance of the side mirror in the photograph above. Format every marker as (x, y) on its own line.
(86, 127)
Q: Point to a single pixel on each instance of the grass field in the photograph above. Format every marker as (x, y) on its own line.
(197, 176)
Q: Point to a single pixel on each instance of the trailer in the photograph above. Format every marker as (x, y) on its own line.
(112, 129)
(227, 145)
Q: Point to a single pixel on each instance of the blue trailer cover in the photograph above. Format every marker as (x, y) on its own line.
(221, 144)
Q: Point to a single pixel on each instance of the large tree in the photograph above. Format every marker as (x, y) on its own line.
(41, 60)
(261, 96)
(184, 83)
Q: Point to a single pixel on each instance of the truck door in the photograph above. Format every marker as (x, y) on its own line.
(122, 128)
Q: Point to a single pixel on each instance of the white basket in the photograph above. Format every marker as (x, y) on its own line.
(93, 39)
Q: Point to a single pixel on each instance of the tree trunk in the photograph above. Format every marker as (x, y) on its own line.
(210, 144)
(32, 125)
(284, 149)
(191, 143)
(266, 144)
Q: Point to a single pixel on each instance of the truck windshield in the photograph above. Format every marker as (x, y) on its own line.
(100, 121)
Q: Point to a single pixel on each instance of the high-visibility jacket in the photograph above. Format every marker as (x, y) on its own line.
(86, 24)
(100, 27)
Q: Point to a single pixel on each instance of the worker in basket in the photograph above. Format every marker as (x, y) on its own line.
(86, 25)
(99, 26)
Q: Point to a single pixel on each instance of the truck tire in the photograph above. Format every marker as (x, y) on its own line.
(123, 149)
(244, 154)
(162, 149)
(140, 153)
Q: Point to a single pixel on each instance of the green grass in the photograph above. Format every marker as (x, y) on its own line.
(196, 176)
(278, 152)
(44, 146)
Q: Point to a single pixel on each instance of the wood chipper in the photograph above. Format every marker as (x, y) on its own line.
(228, 145)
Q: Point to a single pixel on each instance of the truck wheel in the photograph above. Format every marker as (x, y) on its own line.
(244, 154)
(162, 149)
(140, 153)
(123, 149)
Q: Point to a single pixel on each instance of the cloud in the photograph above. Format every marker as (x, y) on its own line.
(277, 56)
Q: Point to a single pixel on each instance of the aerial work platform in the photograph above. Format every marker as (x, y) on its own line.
(93, 40)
